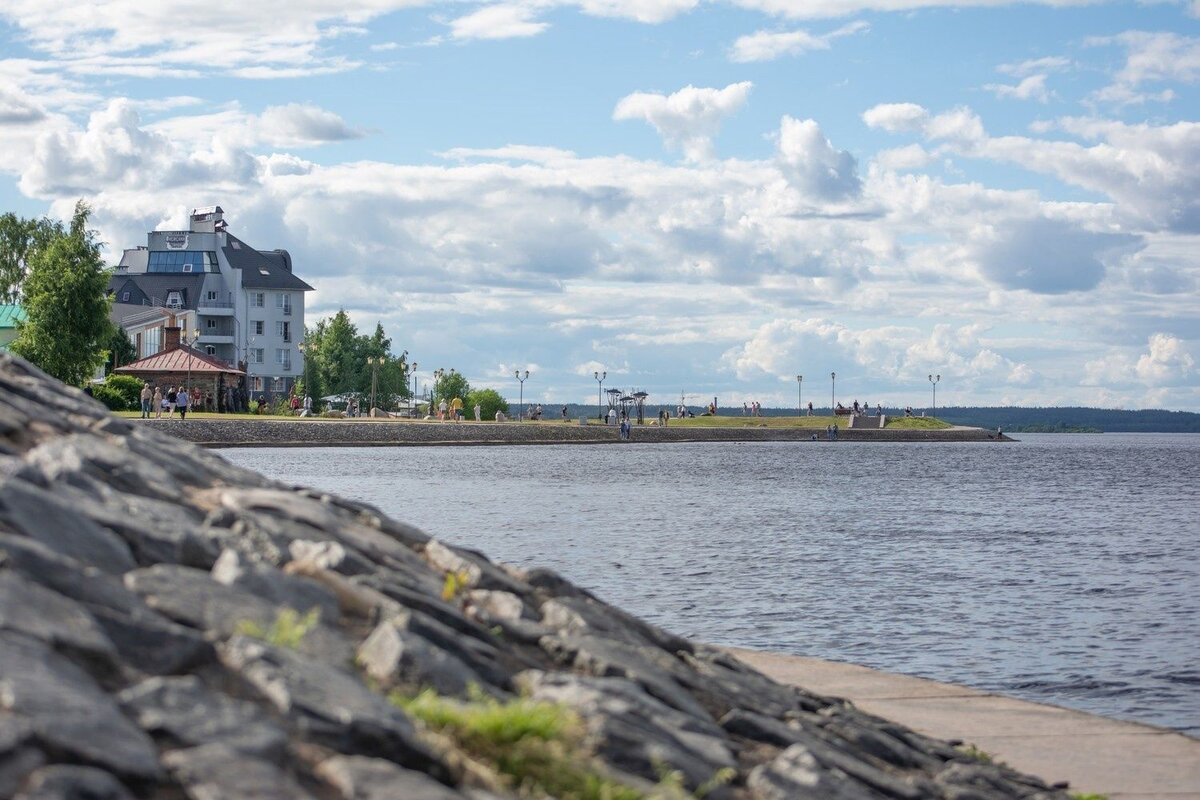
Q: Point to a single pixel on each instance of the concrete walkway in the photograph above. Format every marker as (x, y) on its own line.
(1123, 760)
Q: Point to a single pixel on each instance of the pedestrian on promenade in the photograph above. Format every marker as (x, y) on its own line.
(810, 408)
(564, 413)
(172, 397)
(146, 396)
(443, 407)
(157, 402)
(612, 416)
(181, 402)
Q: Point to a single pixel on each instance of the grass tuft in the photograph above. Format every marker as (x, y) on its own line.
(916, 424)
(288, 629)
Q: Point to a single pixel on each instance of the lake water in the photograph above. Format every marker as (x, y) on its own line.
(1063, 569)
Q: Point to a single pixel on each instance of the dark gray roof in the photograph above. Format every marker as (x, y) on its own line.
(262, 269)
(150, 288)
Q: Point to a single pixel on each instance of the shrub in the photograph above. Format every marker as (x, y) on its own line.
(128, 387)
(489, 400)
(111, 398)
(288, 629)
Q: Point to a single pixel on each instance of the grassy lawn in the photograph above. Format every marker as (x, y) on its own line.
(759, 422)
(916, 423)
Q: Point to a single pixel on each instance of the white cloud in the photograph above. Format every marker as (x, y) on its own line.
(768, 45)
(686, 119)
(822, 9)
(895, 117)
(1034, 66)
(1030, 88)
(813, 165)
(1150, 57)
(1168, 359)
(505, 21)
(909, 157)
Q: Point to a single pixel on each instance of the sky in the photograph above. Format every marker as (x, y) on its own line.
(698, 197)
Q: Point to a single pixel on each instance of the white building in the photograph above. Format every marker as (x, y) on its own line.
(248, 305)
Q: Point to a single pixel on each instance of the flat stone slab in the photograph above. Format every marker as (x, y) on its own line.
(1123, 760)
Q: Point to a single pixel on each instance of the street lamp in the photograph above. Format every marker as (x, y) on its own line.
(191, 341)
(306, 348)
(412, 403)
(832, 393)
(521, 402)
(600, 376)
(375, 362)
(799, 395)
(437, 381)
(933, 379)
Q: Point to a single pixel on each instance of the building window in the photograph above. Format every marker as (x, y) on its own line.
(174, 300)
(210, 323)
(212, 295)
(258, 326)
(210, 350)
(280, 384)
(256, 383)
(182, 261)
(258, 299)
(283, 301)
(151, 341)
(283, 356)
(256, 355)
(124, 297)
(284, 330)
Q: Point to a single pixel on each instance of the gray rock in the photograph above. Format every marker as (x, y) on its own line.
(480, 573)
(187, 714)
(74, 459)
(393, 654)
(490, 607)
(268, 583)
(582, 615)
(68, 712)
(63, 624)
(328, 705)
(361, 778)
(71, 782)
(65, 575)
(153, 644)
(796, 774)
(214, 772)
(19, 754)
(635, 732)
(40, 515)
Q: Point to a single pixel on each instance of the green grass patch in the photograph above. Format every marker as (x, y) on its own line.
(917, 423)
(759, 422)
(1087, 796)
(537, 748)
(287, 630)
(971, 751)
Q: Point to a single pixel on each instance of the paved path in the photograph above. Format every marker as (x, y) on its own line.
(1123, 760)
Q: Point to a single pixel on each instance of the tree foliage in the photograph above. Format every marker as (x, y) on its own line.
(20, 240)
(489, 400)
(451, 385)
(63, 295)
(119, 351)
(337, 362)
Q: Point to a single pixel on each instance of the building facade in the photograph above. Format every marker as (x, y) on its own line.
(246, 305)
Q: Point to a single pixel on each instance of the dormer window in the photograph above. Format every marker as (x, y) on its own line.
(174, 300)
(124, 297)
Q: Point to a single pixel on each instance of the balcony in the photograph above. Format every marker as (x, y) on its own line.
(216, 337)
(215, 308)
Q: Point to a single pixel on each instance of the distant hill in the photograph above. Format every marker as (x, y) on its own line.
(1014, 419)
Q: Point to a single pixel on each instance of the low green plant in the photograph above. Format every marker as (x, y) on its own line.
(537, 748)
(287, 630)
(917, 423)
(971, 751)
(1088, 796)
(455, 584)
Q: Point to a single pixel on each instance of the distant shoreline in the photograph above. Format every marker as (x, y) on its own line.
(218, 433)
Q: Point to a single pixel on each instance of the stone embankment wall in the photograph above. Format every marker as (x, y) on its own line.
(236, 432)
(150, 648)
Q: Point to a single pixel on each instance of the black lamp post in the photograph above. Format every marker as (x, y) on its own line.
(521, 402)
(799, 395)
(832, 393)
(933, 379)
(600, 376)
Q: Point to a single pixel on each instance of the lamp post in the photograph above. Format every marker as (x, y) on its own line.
(832, 393)
(933, 379)
(521, 402)
(305, 348)
(191, 341)
(600, 376)
(412, 403)
(799, 395)
(375, 362)
(437, 380)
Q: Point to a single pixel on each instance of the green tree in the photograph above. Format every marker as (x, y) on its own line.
(337, 354)
(20, 241)
(489, 400)
(119, 351)
(452, 385)
(63, 295)
(392, 376)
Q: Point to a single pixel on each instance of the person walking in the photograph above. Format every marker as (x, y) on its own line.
(181, 402)
(810, 408)
(172, 397)
(443, 407)
(146, 397)
(157, 401)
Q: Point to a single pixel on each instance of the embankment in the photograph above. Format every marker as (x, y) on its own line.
(249, 432)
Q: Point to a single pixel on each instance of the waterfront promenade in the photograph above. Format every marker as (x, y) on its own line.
(1122, 760)
(250, 432)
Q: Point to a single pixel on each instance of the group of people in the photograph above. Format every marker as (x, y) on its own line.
(175, 398)
(752, 409)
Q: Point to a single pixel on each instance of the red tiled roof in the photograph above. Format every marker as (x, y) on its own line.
(181, 359)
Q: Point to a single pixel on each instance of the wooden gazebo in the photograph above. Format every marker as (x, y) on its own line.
(180, 365)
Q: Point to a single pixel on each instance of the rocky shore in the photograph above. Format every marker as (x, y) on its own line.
(249, 432)
(175, 627)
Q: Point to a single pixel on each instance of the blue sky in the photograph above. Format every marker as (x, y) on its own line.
(701, 196)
